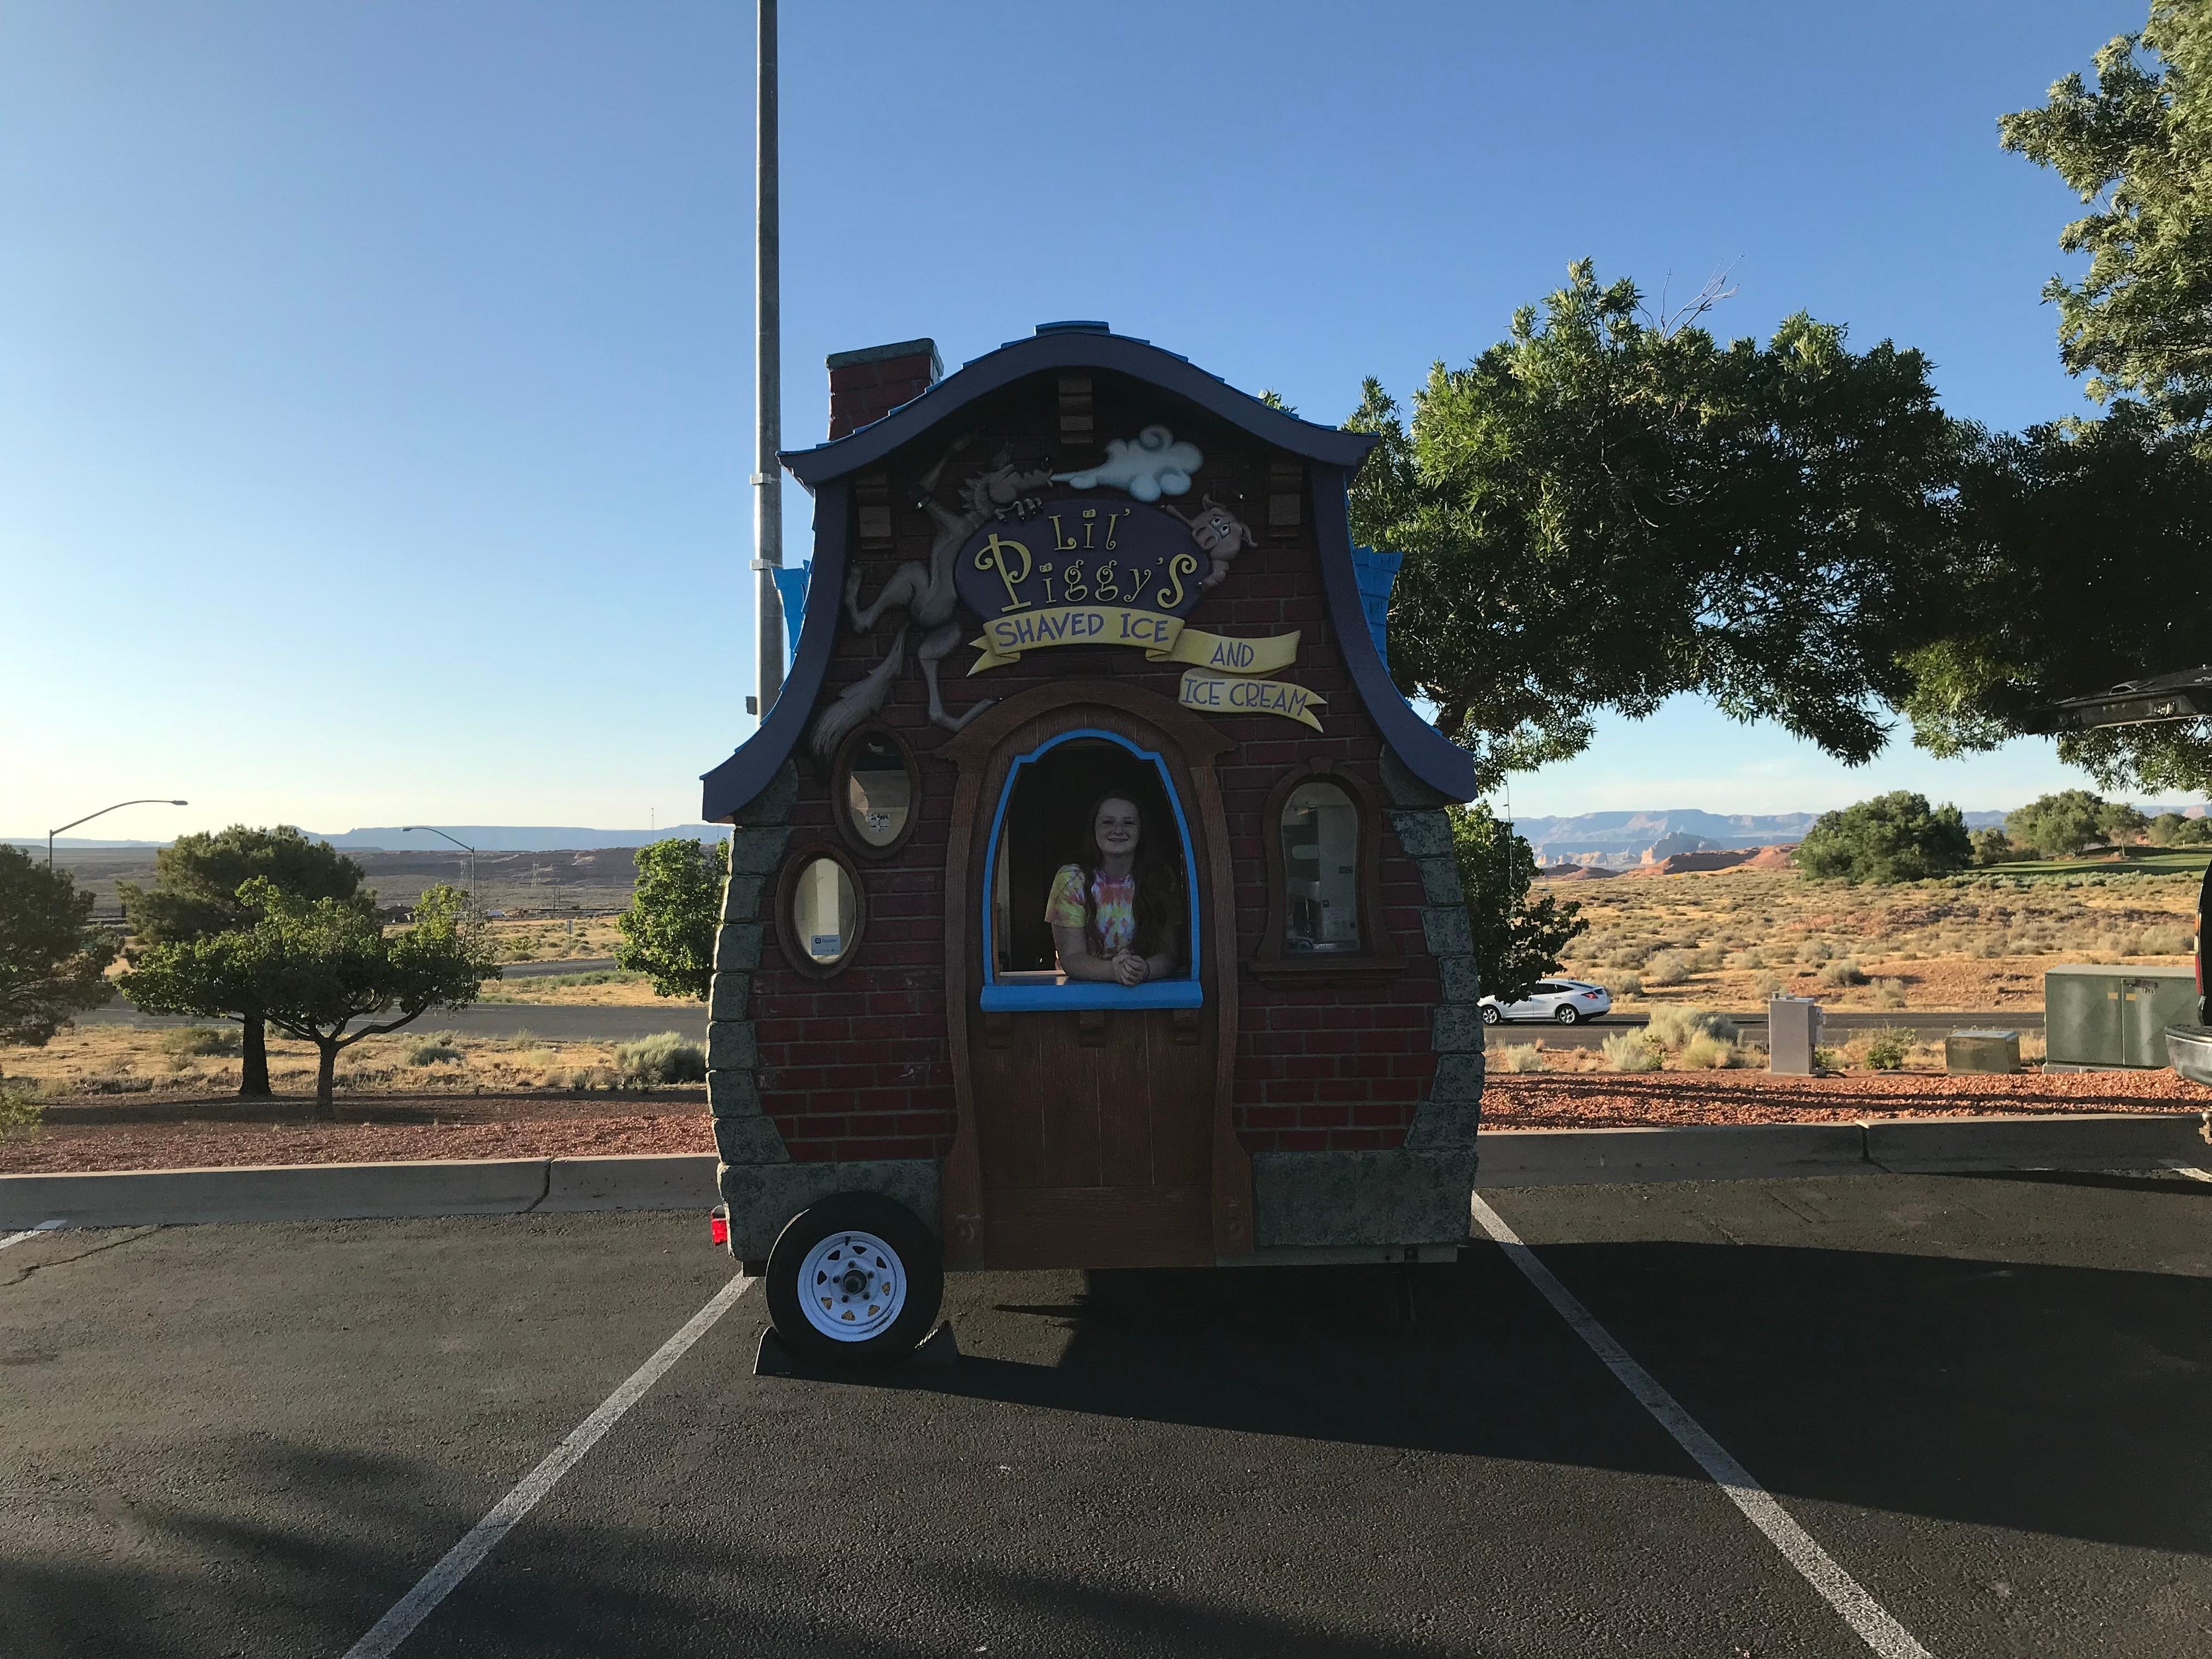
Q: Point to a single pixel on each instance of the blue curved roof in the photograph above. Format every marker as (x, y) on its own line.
(1335, 455)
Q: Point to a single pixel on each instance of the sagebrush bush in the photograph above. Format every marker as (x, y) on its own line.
(1889, 993)
(1674, 1027)
(1705, 962)
(195, 1040)
(1668, 968)
(1618, 986)
(437, 1050)
(1766, 987)
(1520, 1057)
(20, 1111)
(1815, 951)
(1844, 970)
(1631, 1051)
(1707, 1053)
(2167, 941)
(664, 1057)
(1885, 1051)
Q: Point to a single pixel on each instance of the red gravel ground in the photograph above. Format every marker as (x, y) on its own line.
(101, 1132)
(1588, 1100)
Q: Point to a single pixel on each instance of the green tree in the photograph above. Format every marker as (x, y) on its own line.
(2137, 150)
(2173, 829)
(668, 932)
(1605, 510)
(315, 966)
(1991, 846)
(1516, 941)
(2120, 824)
(2058, 826)
(195, 895)
(53, 963)
(1891, 838)
(2080, 554)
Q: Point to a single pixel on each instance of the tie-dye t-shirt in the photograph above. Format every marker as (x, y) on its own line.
(1117, 897)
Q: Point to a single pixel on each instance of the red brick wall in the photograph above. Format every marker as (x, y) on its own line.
(857, 1066)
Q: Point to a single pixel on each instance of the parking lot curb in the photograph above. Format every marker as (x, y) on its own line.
(349, 1192)
(1511, 1157)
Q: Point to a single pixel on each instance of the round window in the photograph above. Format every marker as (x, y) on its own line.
(878, 790)
(825, 912)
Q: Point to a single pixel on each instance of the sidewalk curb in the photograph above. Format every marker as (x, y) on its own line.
(1776, 1152)
(1511, 1157)
(359, 1192)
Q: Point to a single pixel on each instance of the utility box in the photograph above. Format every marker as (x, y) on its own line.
(1793, 1031)
(2113, 1017)
(1979, 1053)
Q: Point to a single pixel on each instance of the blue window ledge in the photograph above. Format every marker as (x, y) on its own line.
(1091, 993)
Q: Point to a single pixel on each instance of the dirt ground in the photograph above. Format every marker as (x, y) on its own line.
(1976, 942)
(193, 1132)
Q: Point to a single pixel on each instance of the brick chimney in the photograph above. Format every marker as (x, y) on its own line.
(865, 386)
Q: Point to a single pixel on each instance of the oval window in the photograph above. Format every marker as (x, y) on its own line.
(825, 912)
(878, 790)
(1321, 869)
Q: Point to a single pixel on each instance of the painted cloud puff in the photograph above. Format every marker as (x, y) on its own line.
(1150, 465)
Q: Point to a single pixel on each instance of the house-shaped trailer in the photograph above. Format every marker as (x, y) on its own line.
(1080, 575)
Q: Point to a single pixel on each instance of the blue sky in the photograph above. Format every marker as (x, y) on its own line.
(375, 380)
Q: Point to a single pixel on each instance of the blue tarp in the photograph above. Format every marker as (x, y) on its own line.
(1377, 573)
(790, 588)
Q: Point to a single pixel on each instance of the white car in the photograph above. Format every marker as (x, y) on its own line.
(1562, 1001)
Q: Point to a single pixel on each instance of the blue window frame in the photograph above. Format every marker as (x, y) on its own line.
(999, 997)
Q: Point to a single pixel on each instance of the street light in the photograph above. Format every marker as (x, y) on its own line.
(430, 828)
(143, 800)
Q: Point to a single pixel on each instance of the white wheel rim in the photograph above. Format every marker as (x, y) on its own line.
(852, 1286)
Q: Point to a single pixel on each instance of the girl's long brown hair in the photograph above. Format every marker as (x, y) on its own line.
(1159, 893)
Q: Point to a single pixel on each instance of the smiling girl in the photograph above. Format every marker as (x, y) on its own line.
(1113, 914)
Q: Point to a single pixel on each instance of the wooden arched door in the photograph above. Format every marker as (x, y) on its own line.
(1094, 1120)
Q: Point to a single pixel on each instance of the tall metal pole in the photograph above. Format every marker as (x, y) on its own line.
(768, 323)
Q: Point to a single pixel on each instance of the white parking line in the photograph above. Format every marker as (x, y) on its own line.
(459, 1562)
(1818, 1568)
(2189, 1170)
(30, 1232)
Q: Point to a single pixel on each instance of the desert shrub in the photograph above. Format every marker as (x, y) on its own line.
(1631, 1051)
(1885, 1051)
(1844, 970)
(2167, 941)
(1707, 1053)
(1889, 993)
(1705, 962)
(1815, 950)
(1672, 1028)
(436, 1050)
(1827, 1060)
(118, 1083)
(1668, 968)
(1891, 838)
(203, 1040)
(20, 1111)
(1520, 1057)
(1621, 985)
(589, 1079)
(1751, 958)
(1766, 987)
(663, 1058)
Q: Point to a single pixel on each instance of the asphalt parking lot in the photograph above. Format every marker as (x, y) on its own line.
(1985, 1398)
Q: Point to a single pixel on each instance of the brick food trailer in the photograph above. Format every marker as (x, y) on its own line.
(1080, 583)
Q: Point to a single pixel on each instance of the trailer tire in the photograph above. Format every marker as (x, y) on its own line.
(855, 1279)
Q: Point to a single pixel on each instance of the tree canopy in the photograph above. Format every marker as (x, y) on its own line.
(314, 967)
(195, 895)
(53, 963)
(1891, 838)
(2058, 826)
(668, 932)
(1607, 509)
(1516, 941)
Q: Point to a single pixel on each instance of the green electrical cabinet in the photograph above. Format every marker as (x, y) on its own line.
(2113, 1016)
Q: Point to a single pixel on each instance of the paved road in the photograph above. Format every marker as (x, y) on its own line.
(554, 1022)
(1982, 1397)
(1591, 1033)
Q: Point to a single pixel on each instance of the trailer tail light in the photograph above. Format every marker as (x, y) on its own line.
(718, 1226)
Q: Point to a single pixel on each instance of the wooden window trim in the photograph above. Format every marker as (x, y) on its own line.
(787, 896)
(1377, 957)
(840, 810)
